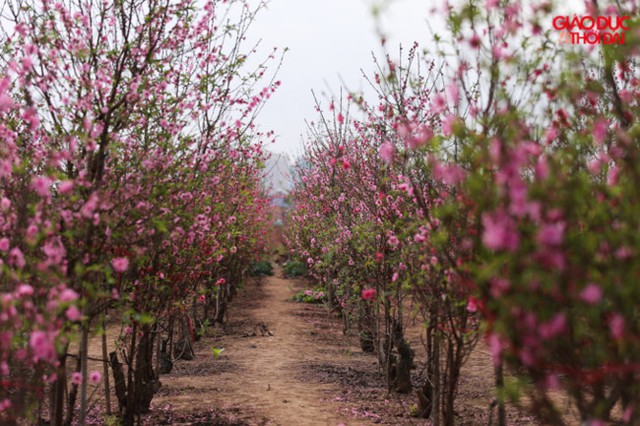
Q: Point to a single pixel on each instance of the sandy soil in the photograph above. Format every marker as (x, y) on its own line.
(256, 378)
(306, 373)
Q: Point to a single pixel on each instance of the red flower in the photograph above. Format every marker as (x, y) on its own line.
(369, 294)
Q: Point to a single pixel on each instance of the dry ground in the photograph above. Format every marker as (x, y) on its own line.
(307, 373)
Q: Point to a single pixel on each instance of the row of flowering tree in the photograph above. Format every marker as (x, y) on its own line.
(493, 192)
(130, 184)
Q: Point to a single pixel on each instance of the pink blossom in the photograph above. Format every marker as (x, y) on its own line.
(394, 277)
(68, 295)
(623, 253)
(55, 251)
(499, 232)
(5, 404)
(475, 41)
(120, 264)
(66, 187)
(616, 326)
(369, 294)
(495, 150)
(340, 118)
(591, 294)
(447, 124)
(76, 378)
(554, 327)
(423, 135)
(542, 169)
(4, 244)
(551, 234)
(386, 152)
(449, 174)
(6, 103)
(600, 130)
(42, 345)
(220, 281)
(42, 185)
(73, 313)
(90, 206)
(499, 286)
(5, 203)
(453, 92)
(552, 382)
(17, 258)
(419, 238)
(491, 4)
(25, 290)
(95, 377)
(472, 304)
(26, 64)
(612, 176)
(495, 348)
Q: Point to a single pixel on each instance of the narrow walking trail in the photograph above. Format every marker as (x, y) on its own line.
(258, 378)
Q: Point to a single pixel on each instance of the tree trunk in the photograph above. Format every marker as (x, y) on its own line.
(405, 361)
(118, 380)
(105, 368)
(58, 390)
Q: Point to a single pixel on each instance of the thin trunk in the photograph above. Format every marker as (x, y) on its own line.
(499, 374)
(58, 390)
(436, 381)
(105, 367)
(73, 395)
(84, 344)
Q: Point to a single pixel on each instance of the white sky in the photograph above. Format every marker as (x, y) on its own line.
(329, 42)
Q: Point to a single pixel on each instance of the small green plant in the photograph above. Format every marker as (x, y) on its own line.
(201, 328)
(216, 351)
(317, 295)
(413, 410)
(260, 269)
(112, 421)
(295, 268)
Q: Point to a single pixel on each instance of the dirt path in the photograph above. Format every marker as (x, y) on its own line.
(307, 373)
(257, 377)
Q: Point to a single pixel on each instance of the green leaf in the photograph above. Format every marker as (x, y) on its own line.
(216, 351)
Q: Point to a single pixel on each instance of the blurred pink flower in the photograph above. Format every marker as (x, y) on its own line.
(591, 294)
(68, 295)
(551, 234)
(499, 232)
(472, 305)
(73, 313)
(76, 378)
(369, 294)
(120, 264)
(616, 326)
(42, 345)
(386, 152)
(95, 376)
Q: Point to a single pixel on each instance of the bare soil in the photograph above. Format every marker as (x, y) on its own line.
(306, 373)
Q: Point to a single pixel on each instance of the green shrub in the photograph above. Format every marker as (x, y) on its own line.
(295, 268)
(317, 295)
(261, 268)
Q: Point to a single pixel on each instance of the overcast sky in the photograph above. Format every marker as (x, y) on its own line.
(329, 42)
